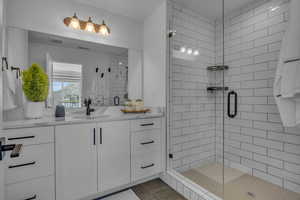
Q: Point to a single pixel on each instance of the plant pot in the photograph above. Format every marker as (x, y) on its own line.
(34, 110)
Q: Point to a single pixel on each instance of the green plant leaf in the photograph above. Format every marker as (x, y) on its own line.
(35, 83)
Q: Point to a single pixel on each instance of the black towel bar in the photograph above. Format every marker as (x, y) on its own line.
(292, 60)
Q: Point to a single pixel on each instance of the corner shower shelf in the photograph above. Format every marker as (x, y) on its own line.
(217, 68)
(214, 88)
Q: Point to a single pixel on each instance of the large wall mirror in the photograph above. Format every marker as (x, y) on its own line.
(76, 69)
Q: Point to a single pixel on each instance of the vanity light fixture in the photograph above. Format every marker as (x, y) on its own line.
(103, 29)
(75, 23)
(89, 26)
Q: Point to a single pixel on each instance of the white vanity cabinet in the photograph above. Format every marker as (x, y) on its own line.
(31, 175)
(113, 155)
(146, 148)
(91, 158)
(76, 161)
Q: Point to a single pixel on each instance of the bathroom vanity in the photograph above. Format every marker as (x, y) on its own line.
(83, 158)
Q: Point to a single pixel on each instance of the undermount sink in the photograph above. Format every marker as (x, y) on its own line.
(89, 117)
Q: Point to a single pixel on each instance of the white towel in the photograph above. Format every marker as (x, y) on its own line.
(287, 82)
(9, 90)
(290, 84)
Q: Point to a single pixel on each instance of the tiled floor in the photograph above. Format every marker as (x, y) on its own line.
(156, 190)
(238, 186)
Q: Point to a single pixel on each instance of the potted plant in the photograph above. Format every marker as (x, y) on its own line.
(36, 87)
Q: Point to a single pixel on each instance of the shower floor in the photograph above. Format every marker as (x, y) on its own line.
(238, 185)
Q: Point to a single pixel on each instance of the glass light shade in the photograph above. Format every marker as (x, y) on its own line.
(90, 27)
(74, 23)
(189, 51)
(103, 29)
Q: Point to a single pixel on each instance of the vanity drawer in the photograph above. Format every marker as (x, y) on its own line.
(37, 189)
(34, 161)
(146, 165)
(30, 136)
(145, 124)
(147, 141)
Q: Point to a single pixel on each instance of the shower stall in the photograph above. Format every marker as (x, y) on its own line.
(225, 135)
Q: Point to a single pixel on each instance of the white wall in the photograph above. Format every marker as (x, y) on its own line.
(155, 45)
(2, 14)
(17, 50)
(47, 17)
(135, 74)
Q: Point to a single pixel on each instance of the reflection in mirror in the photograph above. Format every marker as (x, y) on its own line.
(66, 84)
(76, 70)
(80, 70)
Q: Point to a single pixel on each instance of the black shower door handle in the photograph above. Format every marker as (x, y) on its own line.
(232, 115)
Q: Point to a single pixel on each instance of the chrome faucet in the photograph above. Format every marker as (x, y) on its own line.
(87, 103)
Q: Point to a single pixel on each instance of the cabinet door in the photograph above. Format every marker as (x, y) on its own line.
(1, 180)
(76, 161)
(2, 168)
(114, 155)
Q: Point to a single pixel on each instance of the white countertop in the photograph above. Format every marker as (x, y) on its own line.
(111, 114)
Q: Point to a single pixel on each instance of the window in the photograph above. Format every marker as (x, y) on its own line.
(67, 84)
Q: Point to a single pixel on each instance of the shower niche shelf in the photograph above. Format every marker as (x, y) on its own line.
(216, 88)
(217, 68)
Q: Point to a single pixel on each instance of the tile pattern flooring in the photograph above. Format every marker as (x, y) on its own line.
(156, 190)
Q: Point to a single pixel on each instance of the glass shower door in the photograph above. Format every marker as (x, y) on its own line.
(196, 95)
(261, 160)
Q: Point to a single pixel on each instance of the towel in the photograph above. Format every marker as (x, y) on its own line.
(287, 82)
(9, 90)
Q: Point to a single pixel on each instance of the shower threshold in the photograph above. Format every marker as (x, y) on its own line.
(237, 184)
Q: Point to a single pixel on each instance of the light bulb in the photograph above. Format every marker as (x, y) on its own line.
(274, 8)
(182, 49)
(90, 26)
(196, 53)
(189, 51)
(103, 29)
(74, 23)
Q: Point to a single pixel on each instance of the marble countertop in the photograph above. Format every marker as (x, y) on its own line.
(111, 114)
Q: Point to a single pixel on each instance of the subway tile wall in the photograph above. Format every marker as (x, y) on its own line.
(192, 123)
(256, 141)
